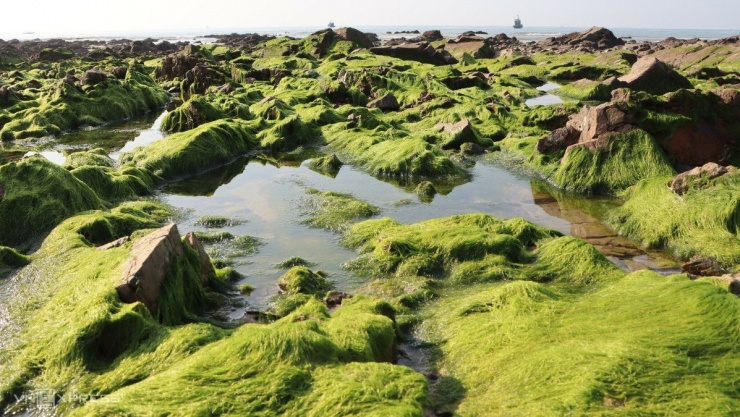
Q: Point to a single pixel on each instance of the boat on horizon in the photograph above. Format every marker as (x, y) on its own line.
(331, 24)
(518, 23)
(27, 33)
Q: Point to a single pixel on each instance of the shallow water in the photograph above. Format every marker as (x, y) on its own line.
(547, 99)
(271, 200)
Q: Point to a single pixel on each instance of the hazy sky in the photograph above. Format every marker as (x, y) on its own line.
(104, 17)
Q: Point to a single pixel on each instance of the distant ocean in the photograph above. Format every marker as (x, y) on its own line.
(525, 34)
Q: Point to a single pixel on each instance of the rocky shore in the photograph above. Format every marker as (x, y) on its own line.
(106, 297)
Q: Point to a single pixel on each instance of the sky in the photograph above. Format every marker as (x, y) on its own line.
(103, 17)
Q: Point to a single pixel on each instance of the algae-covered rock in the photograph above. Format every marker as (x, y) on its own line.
(191, 114)
(300, 279)
(37, 195)
(195, 150)
(425, 191)
(336, 211)
(329, 164)
(95, 157)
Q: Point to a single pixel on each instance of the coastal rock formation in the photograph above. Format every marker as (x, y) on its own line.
(476, 46)
(654, 76)
(151, 262)
(596, 38)
(703, 267)
(147, 268)
(355, 36)
(421, 52)
(594, 128)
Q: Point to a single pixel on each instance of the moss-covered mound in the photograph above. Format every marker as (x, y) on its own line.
(196, 150)
(300, 279)
(336, 211)
(704, 221)
(643, 345)
(308, 363)
(64, 104)
(39, 194)
(11, 259)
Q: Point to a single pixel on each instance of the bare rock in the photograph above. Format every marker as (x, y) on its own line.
(355, 36)
(600, 125)
(334, 298)
(703, 267)
(654, 76)
(93, 77)
(733, 282)
(683, 181)
(386, 103)
(420, 52)
(559, 139)
(147, 268)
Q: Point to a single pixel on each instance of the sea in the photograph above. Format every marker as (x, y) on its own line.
(204, 35)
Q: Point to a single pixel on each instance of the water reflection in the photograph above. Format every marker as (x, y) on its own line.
(547, 99)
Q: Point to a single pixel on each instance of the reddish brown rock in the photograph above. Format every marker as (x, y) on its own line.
(698, 143)
(147, 268)
(703, 267)
(600, 125)
(93, 77)
(206, 268)
(654, 76)
(559, 139)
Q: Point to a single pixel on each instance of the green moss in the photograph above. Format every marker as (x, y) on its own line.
(328, 165)
(296, 365)
(336, 211)
(533, 349)
(470, 248)
(191, 114)
(702, 222)
(195, 150)
(294, 261)
(627, 159)
(89, 341)
(60, 107)
(217, 222)
(300, 279)
(10, 259)
(38, 195)
(95, 157)
(115, 186)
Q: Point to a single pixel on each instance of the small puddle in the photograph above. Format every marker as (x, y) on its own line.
(547, 99)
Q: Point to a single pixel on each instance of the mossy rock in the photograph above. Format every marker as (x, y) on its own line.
(39, 194)
(328, 165)
(300, 279)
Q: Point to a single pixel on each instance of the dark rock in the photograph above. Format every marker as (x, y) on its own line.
(733, 282)
(355, 36)
(420, 52)
(147, 268)
(334, 298)
(698, 143)
(119, 72)
(34, 84)
(654, 76)
(703, 267)
(386, 103)
(521, 60)
(559, 139)
(93, 77)
(432, 35)
(684, 180)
